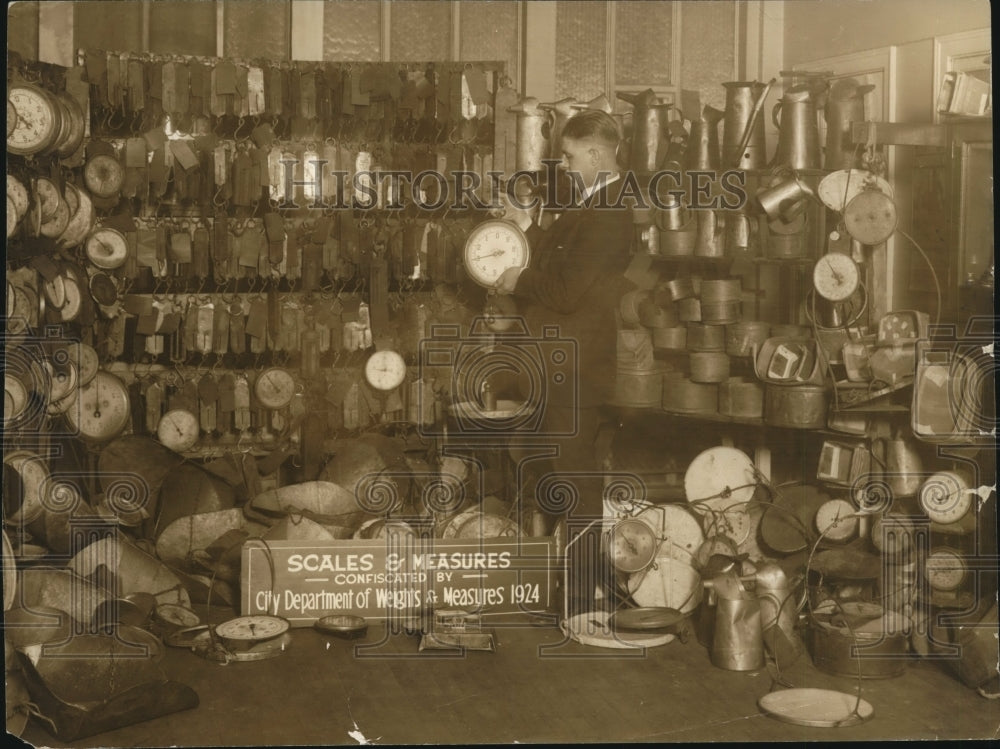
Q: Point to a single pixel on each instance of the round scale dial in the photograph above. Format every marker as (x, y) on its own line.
(733, 522)
(274, 388)
(945, 570)
(835, 519)
(103, 175)
(493, 247)
(385, 370)
(63, 377)
(106, 248)
(632, 545)
(86, 361)
(836, 276)
(18, 193)
(15, 397)
(101, 411)
(11, 217)
(253, 628)
(71, 307)
(36, 127)
(679, 530)
(719, 478)
(178, 429)
(945, 498)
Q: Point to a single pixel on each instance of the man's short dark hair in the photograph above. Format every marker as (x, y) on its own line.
(593, 123)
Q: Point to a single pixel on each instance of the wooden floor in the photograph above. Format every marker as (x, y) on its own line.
(534, 688)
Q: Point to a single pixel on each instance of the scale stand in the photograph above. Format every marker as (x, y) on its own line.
(457, 628)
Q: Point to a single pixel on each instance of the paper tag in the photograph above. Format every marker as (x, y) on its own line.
(184, 155)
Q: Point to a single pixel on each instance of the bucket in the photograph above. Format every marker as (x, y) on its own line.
(742, 336)
(670, 339)
(795, 406)
(709, 366)
(639, 389)
(741, 398)
(704, 337)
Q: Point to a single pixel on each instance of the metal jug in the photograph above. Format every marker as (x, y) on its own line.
(844, 104)
(741, 97)
(703, 143)
(649, 130)
(785, 197)
(778, 613)
(532, 141)
(710, 241)
(560, 111)
(903, 467)
(737, 641)
(798, 131)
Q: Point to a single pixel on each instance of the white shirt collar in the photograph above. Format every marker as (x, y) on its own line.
(597, 186)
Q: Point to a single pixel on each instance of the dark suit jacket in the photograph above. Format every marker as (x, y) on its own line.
(575, 280)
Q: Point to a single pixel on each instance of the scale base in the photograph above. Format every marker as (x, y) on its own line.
(458, 640)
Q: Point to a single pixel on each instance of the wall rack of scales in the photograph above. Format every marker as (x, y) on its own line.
(155, 227)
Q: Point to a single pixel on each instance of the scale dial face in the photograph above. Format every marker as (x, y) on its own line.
(944, 498)
(86, 360)
(178, 430)
(835, 519)
(493, 247)
(103, 175)
(718, 478)
(632, 545)
(385, 370)
(733, 522)
(71, 307)
(253, 628)
(101, 411)
(106, 248)
(274, 388)
(12, 218)
(18, 193)
(36, 127)
(15, 398)
(836, 276)
(945, 570)
(63, 377)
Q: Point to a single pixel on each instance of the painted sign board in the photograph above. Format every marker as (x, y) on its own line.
(304, 580)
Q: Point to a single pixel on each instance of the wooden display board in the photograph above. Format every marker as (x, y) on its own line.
(303, 580)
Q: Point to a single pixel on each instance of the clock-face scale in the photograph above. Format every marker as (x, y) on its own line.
(493, 247)
(37, 124)
(836, 276)
(101, 411)
(385, 370)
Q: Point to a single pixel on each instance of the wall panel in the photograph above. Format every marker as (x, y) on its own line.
(420, 31)
(352, 30)
(258, 29)
(182, 27)
(581, 43)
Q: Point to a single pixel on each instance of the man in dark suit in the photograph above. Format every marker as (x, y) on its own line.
(575, 281)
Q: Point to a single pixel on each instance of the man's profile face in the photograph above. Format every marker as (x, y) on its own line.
(580, 156)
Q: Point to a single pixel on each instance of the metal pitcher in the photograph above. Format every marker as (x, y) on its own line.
(561, 111)
(779, 613)
(710, 241)
(703, 143)
(650, 136)
(798, 131)
(903, 467)
(532, 141)
(741, 96)
(845, 104)
(737, 641)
